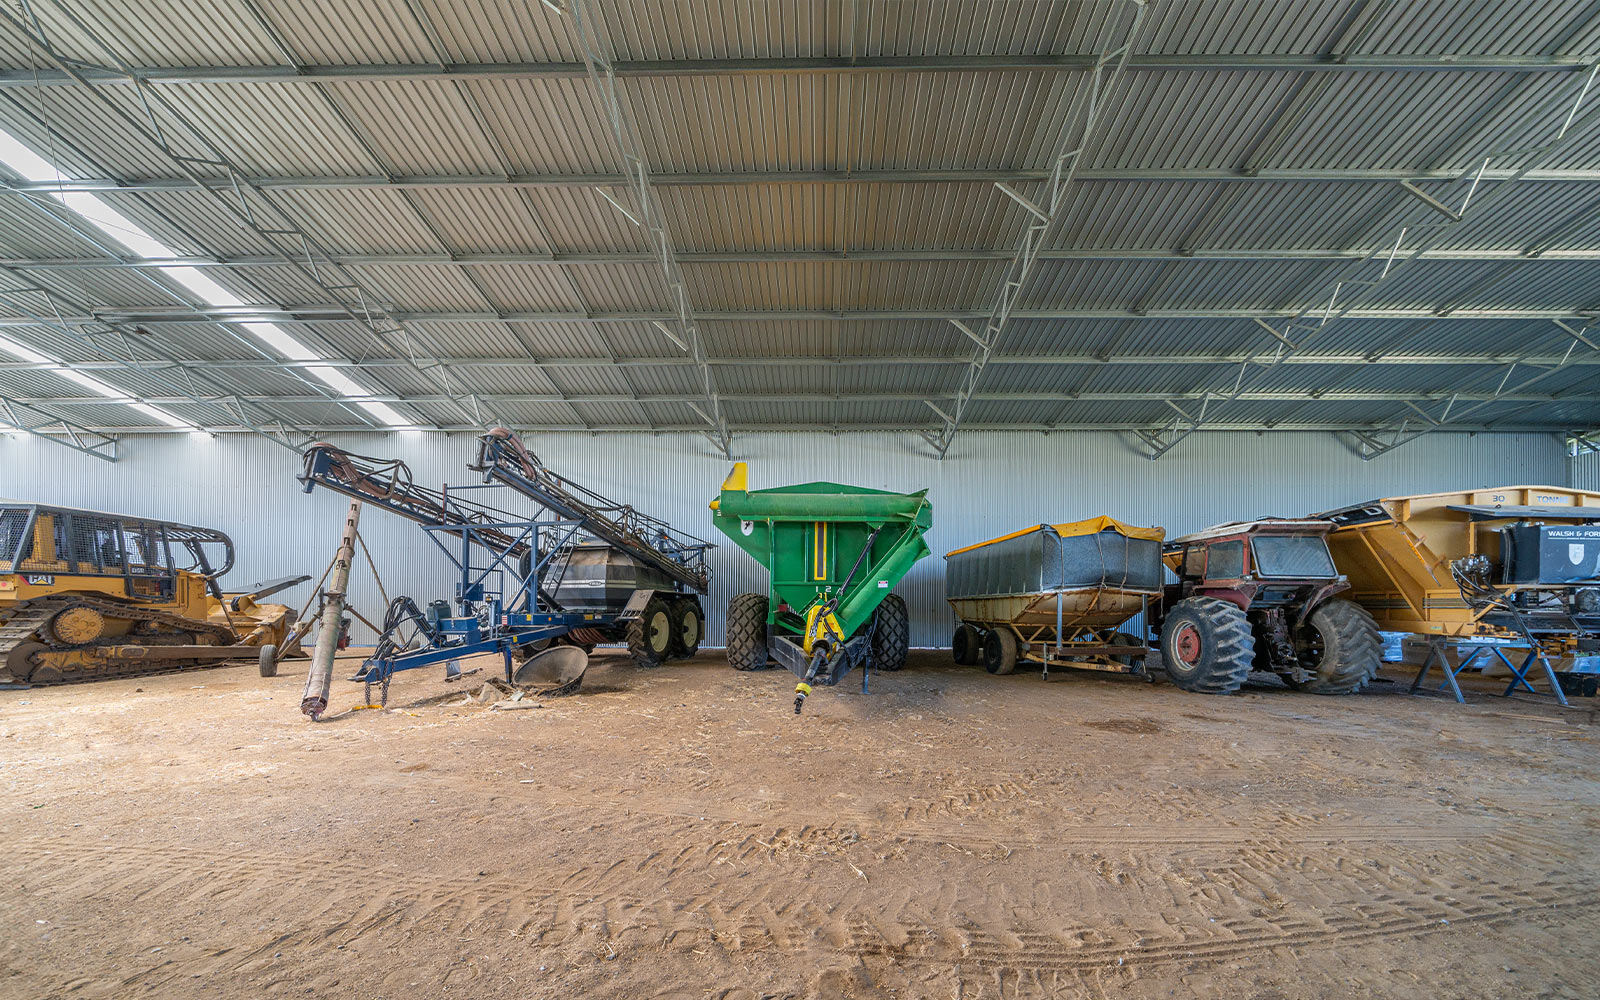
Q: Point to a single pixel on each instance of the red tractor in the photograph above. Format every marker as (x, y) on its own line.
(1260, 595)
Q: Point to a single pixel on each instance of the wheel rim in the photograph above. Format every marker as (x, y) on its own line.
(1312, 648)
(657, 633)
(1187, 645)
(691, 629)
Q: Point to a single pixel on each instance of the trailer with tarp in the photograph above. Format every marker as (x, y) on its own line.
(1059, 595)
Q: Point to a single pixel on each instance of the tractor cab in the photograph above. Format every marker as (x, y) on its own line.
(1271, 562)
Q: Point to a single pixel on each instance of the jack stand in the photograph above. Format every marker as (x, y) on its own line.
(1519, 674)
(865, 670)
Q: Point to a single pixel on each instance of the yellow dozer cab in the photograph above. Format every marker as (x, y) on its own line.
(86, 595)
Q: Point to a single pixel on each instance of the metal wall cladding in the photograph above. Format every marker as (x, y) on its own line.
(990, 483)
(1586, 471)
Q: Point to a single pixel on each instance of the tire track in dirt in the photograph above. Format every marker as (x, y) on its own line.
(1398, 898)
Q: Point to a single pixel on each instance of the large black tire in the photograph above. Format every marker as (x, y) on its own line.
(650, 635)
(1206, 645)
(1000, 651)
(688, 626)
(891, 634)
(966, 646)
(1348, 648)
(747, 632)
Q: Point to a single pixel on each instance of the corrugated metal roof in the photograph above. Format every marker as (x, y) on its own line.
(402, 170)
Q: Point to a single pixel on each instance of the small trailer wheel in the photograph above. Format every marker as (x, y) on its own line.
(1000, 652)
(966, 646)
(269, 660)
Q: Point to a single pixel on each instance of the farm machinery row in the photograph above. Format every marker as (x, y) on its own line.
(1488, 571)
(544, 565)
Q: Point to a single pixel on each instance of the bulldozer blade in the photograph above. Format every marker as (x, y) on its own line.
(557, 670)
(266, 588)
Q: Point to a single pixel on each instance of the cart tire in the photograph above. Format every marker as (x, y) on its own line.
(1351, 649)
(891, 634)
(966, 646)
(688, 627)
(650, 635)
(747, 632)
(1206, 645)
(268, 660)
(1000, 651)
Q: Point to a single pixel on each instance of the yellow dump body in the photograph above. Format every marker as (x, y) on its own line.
(1097, 573)
(1398, 552)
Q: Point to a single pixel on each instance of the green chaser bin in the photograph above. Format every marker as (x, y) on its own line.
(829, 550)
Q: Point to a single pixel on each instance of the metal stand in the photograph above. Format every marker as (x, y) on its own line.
(1519, 674)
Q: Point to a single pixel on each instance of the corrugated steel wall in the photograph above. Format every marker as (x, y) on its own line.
(991, 483)
(1586, 471)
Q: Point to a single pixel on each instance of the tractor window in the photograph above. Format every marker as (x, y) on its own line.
(1226, 561)
(1297, 556)
(1194, 562)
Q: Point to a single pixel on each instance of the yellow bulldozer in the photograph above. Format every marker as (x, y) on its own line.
(86, 595)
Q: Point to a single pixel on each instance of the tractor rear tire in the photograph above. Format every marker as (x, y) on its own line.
(1206, 645)
(966, 646)
(1352, 649)
(891, 634)
(688, 627)
(650, 635)
(1000, 651)
(747, 632)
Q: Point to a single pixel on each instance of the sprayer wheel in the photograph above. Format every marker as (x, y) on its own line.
(688, 627)
(650, 635)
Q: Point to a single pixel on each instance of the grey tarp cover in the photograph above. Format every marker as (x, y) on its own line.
(1042, 560)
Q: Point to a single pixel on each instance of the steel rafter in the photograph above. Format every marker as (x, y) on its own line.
(894, 255)
(406, 196)
(681, 327)
(1355, 282)
(828, 361)
(1251, 426)
(1077, 132)
(931, 63)
(33, 418)
(117, 340)
(250, 206)
(1062, 395)
(325, 312)
(1227, 176)
(1417, 421)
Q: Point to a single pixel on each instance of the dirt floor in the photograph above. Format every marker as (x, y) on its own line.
(680, 833)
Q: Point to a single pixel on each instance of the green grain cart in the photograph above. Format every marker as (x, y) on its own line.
(834, 554)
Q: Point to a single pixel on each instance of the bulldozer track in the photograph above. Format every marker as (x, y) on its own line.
(29, 618)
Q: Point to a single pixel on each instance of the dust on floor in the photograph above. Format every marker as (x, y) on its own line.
(680, 833)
